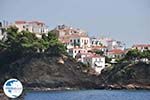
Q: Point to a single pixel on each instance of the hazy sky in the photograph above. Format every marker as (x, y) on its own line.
(125, 20)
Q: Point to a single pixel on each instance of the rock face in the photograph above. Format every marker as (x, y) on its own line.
(128, 75)
(45, 71)
(3, 97)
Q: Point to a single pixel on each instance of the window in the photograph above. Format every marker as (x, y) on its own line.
(92, 42)
(23, 26)
(75, 51)
(27, 29)
(78, 40)
(146, 47)
(84, 41)
(96, 42)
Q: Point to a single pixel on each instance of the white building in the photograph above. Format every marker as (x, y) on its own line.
(113, 44)
(116, 53)
(104, 41)
(63, 30)
(95, 42)
(141, 47)
(3, 34)
(72, 37)
(74, 51)
(80, 41)
(96, 62)
(36, 27)
(99, 48)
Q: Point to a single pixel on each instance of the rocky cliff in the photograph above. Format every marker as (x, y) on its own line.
(127, 75)
(48, 71)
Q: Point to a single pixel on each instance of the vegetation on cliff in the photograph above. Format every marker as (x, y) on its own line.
(128, 73)
(136, 54)
(134, 68)
(20, 44)
(40, 62)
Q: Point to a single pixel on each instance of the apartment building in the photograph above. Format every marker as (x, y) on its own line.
(141, 47)
(95, 61)
(80, 41)
(63, 30)
(36, 27)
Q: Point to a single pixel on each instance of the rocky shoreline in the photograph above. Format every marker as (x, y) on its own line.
(101, 87)
(126, 87)
(44, 73)
(3, 97)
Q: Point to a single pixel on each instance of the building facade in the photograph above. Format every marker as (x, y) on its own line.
(63, 30)
(74, 51)
(116, 53)
(36, 27)
(80, 41)
(141, 47)
(96, 62)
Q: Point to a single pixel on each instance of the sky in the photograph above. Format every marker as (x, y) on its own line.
(124, 20)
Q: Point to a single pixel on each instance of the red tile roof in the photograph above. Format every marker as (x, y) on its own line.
(116, 51)
(77, 48)
(98, 47)
(90, 55)
(36, 22)
(65, 41)
(94, 56)
(20, 22)
(30, 22)
(75, 35)
(141, 45)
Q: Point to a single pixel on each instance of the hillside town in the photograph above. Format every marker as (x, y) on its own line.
(91, 51)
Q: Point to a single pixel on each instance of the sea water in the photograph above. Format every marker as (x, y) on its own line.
(90, 95)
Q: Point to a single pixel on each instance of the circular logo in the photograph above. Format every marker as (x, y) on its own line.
(13, 88)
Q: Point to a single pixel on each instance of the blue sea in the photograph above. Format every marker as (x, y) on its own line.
(90, 95)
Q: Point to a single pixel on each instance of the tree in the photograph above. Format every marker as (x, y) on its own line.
(133, 54)
(20, 44)
(99, 52)
(145, 54)
(52, 44)
(26, 42)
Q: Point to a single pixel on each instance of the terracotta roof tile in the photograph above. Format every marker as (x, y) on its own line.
(98, 47)
(116, 51)
(20, 22)
(141, 45)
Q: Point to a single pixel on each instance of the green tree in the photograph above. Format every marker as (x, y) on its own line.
(52, 44)
(99, 52)
(20, 44)
(145, 54)
(133, 54)
(27, 42)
